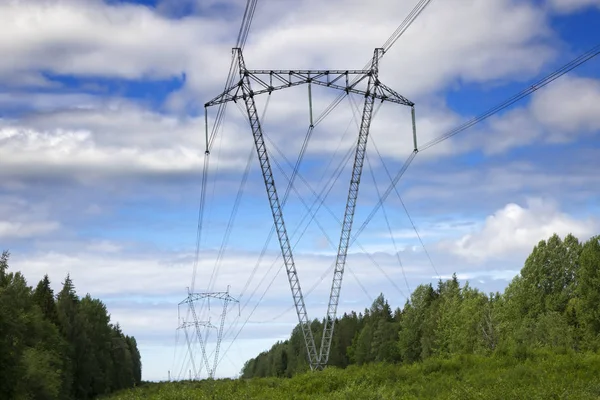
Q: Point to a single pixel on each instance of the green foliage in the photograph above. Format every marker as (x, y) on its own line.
(534, 341)
(588, 293)
(544, 375)
(552, 304)
(63, 348)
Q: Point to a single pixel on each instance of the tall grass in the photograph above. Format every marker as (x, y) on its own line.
(541, 375)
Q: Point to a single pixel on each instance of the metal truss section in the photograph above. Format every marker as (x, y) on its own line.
(195, 324)
(190, 300)
(189, 346)
(359, 158)
(270, 81)
(208, 295)
(282, 235)
(199, 335)
(226, 300)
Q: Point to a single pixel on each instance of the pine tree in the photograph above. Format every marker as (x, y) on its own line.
(44, 297)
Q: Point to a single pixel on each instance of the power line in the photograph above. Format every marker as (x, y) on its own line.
(588, 55)
(241, 41)
(387, 221)
(387, 45)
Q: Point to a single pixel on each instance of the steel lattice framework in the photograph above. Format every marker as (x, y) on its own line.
(196, 324)
(190, 300)
(272, 80)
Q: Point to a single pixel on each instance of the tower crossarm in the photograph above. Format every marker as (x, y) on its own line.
(271, 80)
(189, 324)
(213, 295)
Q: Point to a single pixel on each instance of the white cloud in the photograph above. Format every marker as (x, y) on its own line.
(132, 41)
(22, 230)
(44, 102)
(515, 229)
(113, 138)
(20, 219)
(110, 136)
(104, 246)
(547, 118)
(569, 6)
(93, 38)
(567, 119)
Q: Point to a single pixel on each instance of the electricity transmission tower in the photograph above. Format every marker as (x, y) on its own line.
(190, 300)
(196, 324)
(272, 80)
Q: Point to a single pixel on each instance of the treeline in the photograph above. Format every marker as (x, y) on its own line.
(553, 304)
(59, 347)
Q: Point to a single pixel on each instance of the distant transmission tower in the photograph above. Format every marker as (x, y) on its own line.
(272, 80)
(190, 300)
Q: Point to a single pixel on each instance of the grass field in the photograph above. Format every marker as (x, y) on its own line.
(541, 376)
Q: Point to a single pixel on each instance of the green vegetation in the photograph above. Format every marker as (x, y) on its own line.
(551, 305)
(59, 347)
(537, 340)
(542, 375)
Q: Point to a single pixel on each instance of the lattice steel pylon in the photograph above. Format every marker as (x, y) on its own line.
(196, 324)
(190, 300)
(272, 80)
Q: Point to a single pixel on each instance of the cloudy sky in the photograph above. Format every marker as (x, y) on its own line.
(102, 152)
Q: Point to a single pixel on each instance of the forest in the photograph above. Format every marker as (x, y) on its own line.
(551, 305)
(59, 347)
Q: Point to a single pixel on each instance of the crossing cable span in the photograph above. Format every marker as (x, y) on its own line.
(583, 58)
(354, 110)
(232, 216)
(336, 218)
(241, 42)
(407, 214)
(200, 219)
(406, 210)
(323, 195)
(387, 221)
(332, 180)
(590, 54)
(296, 167)
(313, 215)
(234, 210)
(284, 200)
(322, 198)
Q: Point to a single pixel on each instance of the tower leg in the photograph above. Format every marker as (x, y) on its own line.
(284, 243)
(340, 262)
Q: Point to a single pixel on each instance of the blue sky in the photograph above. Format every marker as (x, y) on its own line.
(102, 147)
